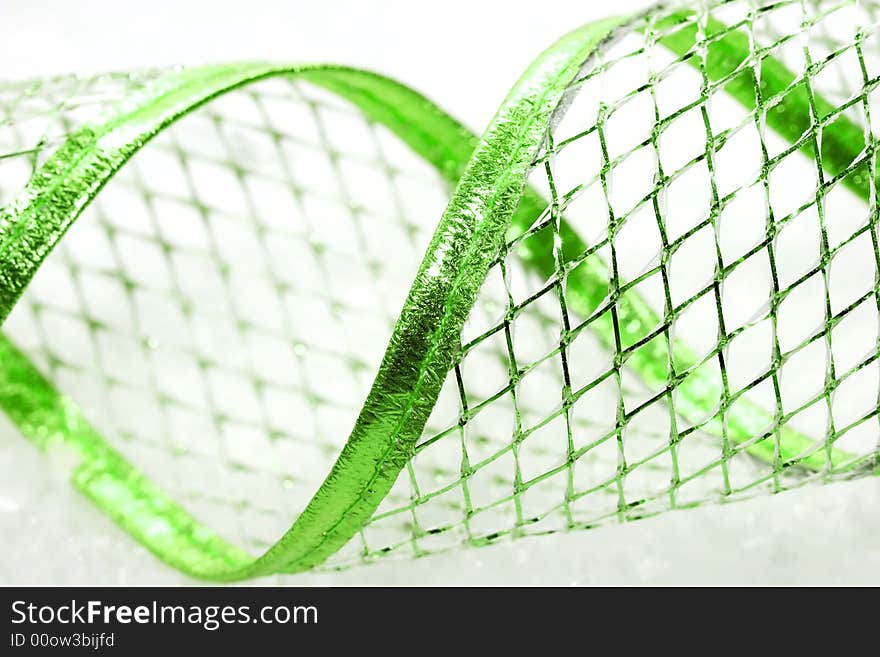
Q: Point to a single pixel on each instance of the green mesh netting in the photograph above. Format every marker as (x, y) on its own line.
(654, 285)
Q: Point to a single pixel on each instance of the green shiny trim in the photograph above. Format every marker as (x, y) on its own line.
(490, 197)
(56, 195)
(423, 346)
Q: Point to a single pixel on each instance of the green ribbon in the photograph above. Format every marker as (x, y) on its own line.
(491, 198)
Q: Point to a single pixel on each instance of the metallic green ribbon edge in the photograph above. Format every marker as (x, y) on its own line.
(464, 246)
(38, 219)
(423, 345)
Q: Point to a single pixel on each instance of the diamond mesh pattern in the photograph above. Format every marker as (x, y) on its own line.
(698, 289)
(202, 310)
(757, 267)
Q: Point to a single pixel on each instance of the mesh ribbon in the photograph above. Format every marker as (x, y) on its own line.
(654, 285)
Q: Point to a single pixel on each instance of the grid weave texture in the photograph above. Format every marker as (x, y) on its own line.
(733, 270)
(690, 315)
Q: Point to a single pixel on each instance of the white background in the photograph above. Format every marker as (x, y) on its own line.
(465, 55)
